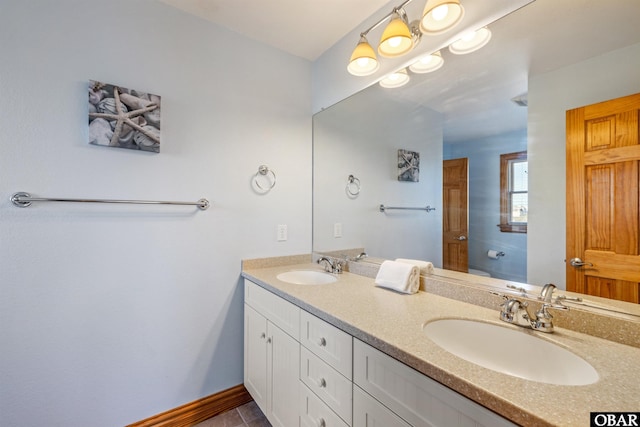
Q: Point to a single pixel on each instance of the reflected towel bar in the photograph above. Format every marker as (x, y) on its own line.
(427, 208)
(22, 200)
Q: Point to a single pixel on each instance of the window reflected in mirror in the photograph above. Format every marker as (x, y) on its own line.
(514, 192)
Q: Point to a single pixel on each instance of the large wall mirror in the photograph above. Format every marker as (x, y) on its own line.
(553, 55)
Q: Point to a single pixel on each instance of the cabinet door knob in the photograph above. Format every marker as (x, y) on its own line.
(321, 422)
(322, 383)
(322, 342)
(263, 335)
(269, 340)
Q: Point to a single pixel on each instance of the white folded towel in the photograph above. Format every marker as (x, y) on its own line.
(425, 267)
(399, 276)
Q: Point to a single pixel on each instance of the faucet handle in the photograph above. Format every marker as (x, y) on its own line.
(512, 309)
(543, 317)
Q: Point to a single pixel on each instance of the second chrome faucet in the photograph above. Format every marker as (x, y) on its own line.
(516, 312)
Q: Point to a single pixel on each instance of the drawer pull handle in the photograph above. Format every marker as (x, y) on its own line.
(322, 383)
(321, 423)
(322, 342)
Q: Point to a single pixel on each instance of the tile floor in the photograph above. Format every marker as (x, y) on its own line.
(247, 415)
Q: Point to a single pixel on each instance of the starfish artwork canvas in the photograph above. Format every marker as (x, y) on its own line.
(408, 166)
(123, 118)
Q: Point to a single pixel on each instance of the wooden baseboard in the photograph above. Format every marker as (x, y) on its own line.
(197, 411)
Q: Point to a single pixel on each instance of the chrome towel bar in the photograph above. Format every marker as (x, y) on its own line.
(427, 208)
(22, 200)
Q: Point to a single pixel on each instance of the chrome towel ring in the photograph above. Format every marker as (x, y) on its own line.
(353, 186)
(268, 174)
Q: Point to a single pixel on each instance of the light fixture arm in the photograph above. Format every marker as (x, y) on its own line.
(398, 9)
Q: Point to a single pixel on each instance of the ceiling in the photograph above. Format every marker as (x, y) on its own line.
(473, 92)
(305, 28)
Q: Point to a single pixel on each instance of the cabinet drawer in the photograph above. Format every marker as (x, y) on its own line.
(330, 386)
(416, 398)
(279, 311)
(368, 412)
(327, 342)
(314, 413)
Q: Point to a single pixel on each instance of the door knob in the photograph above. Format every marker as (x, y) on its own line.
(461, 238)
(577, 262)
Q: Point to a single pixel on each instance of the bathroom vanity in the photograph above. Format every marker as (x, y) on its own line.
(347, 353)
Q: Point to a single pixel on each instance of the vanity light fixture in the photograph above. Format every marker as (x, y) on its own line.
(470, 42)
(396, 38)
(363, 59)
(427, 63)
(395, 79)
(440, 16)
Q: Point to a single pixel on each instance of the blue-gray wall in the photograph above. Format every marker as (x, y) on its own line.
(484, 205)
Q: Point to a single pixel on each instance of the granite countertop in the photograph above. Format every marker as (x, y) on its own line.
(392, 323)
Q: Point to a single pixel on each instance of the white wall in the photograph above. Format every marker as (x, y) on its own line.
(484, 205)
(113, 313)
(609, 76)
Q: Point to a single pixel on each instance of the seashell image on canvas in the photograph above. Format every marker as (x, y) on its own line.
(123, 118)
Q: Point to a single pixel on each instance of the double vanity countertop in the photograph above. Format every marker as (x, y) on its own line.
(393, 323)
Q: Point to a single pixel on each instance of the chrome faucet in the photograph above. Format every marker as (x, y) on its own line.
(359, 257)
(547, 292)
(516, 312)
(546, 295)
(331, 265)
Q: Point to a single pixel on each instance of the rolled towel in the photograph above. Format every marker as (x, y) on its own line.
(425, 267)
(399, 276)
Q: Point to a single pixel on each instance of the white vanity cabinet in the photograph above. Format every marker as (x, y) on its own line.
(303, 371)
(272, 354)
(412, 398)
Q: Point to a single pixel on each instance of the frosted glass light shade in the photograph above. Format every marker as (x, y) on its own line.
(396, 38)
(396, 79)
(440, 16)
(471, 42)
(427, 63)
(363, 60)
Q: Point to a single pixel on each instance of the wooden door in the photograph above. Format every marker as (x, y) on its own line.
(603, 155)
(455, 223)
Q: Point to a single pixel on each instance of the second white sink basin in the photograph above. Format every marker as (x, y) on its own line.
(307, 277)
(510, 352)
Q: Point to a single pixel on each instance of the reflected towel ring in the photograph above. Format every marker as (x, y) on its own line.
(353, 186)
(264, 170)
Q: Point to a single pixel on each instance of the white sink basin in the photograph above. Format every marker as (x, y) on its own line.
(307, 277)
(510, 352)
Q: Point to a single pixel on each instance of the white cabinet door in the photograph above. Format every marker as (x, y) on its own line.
(283, 357)
(416, 398)
(368, 412)
(271, 356)
(255, 356)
